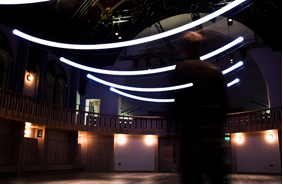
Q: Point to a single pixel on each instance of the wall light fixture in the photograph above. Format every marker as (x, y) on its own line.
(270, 136)
(239, 138)
(29, 77)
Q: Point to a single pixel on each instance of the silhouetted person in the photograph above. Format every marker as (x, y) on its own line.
(201, 110)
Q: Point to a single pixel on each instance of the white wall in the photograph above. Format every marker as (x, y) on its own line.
(134, 153)
(255, 153)
(270, 64)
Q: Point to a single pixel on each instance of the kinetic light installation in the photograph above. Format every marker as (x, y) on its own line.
(158, 89)
(15, 2)
(220, 50)
(145, 72)
(111, 72)
(228, 70)
(233, 82)
(141, 98)
(157, 100)
(130, 42)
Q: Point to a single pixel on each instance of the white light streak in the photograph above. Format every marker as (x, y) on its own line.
(233, 82)
(111, 72)
(15, 2)
(158, 89)
(130, 42)
(223, 48)
(141, 72)
(141, 98)
(228, 70)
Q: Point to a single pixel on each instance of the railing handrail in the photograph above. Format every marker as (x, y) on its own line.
(245, 112)
(82, 111)
(113, 115)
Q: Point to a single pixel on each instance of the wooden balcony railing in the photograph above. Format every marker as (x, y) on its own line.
(257, 120)
(16, 106)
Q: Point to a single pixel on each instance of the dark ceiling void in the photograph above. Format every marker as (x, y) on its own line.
(94, 21)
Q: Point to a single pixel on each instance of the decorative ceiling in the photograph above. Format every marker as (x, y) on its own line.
(96, 21)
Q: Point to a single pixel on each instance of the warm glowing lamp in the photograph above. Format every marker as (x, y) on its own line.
(150, 140)
(29, 77)
(239, 138)
(270, 136)
(27, 132)
(121, 139)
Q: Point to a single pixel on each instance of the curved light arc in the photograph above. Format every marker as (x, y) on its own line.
(158, 89)
(145, 72)
(228, 70)
(237, 80)
(16, 2)
(141, 98)
(111, 72)
(130, 42)
(223, 48)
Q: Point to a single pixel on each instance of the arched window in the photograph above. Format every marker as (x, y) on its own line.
(56, 84)
(4, 68)
(48, 87)
(60, 92)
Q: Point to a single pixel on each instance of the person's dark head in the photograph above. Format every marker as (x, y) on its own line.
(190, 45)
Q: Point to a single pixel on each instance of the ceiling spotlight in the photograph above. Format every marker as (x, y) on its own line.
(162, 63)
(231, 58)
(116, 27)
(270, 136)
(136, 63)
(120, 37)
(230, 21)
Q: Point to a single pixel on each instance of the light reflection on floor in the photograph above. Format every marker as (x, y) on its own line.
(129, 178)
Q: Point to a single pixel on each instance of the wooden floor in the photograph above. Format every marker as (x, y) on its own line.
(129, 178)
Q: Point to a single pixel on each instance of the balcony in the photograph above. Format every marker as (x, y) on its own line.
(18, 107)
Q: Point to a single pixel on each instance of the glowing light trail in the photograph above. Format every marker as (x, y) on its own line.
(130, 42)
(233, 82)
(228, 70)
(111, 72)
(158, 89)
(141, 98)
(220, 50)
(15, 2)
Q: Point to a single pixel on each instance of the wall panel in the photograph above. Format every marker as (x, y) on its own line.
(5, 149)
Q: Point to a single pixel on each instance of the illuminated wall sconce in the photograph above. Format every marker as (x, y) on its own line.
(28, 124)
(150, 140)
(270, 136)
(121, 139)
(29, 77)
(27, 131)
(239, 138)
